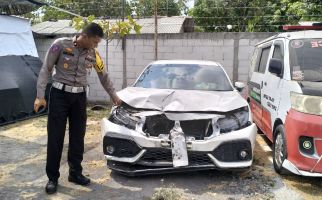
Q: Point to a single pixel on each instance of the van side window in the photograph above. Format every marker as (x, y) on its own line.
(263, 61)
(253, 63)
(277, 52)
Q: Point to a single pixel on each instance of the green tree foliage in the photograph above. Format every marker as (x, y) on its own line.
(253, 15)
(98, 8)
(51, 14)
(33, 16)
(116, 29)
(145, 8)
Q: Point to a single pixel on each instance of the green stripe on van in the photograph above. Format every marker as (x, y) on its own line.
(256, 96)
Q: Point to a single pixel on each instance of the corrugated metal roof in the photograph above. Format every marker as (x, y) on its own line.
(54, 27)
(165, 25)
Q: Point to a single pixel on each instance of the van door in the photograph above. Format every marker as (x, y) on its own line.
(255, 83)
(271, 90)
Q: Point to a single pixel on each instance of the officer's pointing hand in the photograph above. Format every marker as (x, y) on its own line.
(117, 101)
(39, 102)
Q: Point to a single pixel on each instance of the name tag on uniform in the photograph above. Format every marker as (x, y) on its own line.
(89, 61)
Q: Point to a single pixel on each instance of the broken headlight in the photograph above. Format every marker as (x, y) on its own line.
(123, 117)
(234, 120)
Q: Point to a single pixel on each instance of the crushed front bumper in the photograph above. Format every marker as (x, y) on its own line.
(292, 168)
(136, 154)
(301, 127)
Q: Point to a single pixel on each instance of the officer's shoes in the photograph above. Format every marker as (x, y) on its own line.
(51, 187)
(79, 179)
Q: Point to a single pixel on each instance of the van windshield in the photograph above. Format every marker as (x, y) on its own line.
(306, 59)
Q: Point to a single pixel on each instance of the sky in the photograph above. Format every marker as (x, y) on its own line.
(190, 3)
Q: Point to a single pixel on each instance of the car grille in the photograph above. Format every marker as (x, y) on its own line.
(229, 151)
(123, 147)
(160, 124)
(165, 155)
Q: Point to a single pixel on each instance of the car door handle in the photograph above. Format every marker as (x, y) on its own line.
(265, 83)
(261, 85)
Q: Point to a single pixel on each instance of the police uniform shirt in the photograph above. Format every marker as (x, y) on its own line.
(72, 64)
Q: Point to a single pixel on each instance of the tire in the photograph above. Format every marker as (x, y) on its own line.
(279, 149)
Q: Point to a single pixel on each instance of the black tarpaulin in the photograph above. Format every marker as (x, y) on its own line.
(18, 79)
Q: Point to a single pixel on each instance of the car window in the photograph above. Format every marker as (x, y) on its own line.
(277, 52)
(263, 60)
(253, 62)
(184, 76)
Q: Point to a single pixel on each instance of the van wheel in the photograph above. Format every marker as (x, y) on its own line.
(279, 149)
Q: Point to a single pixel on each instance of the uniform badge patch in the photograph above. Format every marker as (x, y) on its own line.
(99, 63)
(69, 50)
(89, 62)
(54, 48)
(66, 65)
(89, 65)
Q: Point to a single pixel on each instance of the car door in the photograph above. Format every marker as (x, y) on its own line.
(271, 90)
(255, 84)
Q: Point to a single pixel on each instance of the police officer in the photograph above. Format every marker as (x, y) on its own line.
(72, 58)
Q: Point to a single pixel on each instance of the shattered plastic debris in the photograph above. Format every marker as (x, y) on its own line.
(215, 127)
(179, 148)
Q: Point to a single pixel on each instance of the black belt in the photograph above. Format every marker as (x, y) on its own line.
(68, 88)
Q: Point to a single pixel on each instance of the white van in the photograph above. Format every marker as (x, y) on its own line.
(285, 96)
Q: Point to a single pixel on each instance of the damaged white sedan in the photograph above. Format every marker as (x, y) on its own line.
(179, 116)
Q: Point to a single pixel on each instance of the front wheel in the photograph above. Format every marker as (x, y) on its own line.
(279, 149)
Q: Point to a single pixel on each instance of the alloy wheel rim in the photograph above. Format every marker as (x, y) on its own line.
(279, 154)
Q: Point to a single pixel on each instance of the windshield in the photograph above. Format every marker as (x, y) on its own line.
(184, 76)
(306, 59)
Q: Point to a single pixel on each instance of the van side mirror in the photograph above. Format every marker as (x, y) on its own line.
(239, 86)
(276, 67)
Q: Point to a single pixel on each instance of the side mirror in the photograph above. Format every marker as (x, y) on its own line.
(239, 86)
(276, 67)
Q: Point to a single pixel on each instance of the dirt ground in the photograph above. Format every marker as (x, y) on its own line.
(22, 174)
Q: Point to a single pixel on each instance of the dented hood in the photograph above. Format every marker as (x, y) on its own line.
(182, 100)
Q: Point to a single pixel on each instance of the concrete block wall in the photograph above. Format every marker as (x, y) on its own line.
(96, 90)
(232, 50)
(197, 47)
(42, 46)
(245, 52)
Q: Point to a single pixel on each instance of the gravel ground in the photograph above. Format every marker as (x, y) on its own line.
(22, 175)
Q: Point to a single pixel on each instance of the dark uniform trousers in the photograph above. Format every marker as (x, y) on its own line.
(63, 105)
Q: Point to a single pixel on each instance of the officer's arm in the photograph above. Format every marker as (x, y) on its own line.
(105, 80)
(47, 67)
(45, 71)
